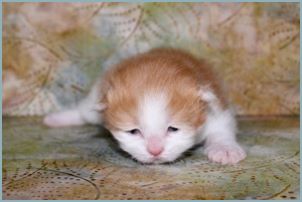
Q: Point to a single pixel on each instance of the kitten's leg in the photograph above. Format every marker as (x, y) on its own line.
(88, 111)
(221, 145)
(220, 132)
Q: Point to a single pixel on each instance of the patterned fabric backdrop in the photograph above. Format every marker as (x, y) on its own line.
(52, 52)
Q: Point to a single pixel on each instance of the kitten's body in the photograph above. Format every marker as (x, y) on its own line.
(158, 105)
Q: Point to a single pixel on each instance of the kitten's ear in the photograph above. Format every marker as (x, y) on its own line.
(99, 107)
(208, 96)
(101, 87)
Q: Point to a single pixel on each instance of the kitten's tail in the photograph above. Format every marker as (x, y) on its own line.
(70, 117)
(88, 111)
(74, 117)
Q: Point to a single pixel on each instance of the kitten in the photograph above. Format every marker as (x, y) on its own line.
(157, 105)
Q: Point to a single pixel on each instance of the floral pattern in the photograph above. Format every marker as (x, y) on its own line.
(52, 52)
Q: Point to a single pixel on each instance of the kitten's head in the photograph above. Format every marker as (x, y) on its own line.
(156, 128)
(153, 123)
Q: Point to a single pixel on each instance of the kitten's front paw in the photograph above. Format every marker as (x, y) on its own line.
(225, 154)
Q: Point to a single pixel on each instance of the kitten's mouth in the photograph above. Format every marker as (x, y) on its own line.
(151, 161)
(156, 161)
(160, 160)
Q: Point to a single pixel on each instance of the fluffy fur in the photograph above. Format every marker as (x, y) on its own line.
(158, 105)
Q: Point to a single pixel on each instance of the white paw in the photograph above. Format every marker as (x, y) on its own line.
(225, 154)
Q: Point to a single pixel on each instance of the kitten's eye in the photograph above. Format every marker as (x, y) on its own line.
(134, 131)
(172, 129)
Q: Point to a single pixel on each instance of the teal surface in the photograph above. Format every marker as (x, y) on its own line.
(85, 163)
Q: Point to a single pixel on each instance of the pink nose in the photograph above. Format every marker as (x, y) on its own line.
(155, 151)
(155, 146)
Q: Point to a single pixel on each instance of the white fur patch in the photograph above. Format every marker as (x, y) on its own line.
(221, 123)
(153, 116)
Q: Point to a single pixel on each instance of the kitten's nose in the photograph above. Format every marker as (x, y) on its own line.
(155, 146)
(155, 151)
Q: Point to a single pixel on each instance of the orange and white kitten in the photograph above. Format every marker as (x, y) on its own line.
(158, 105)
